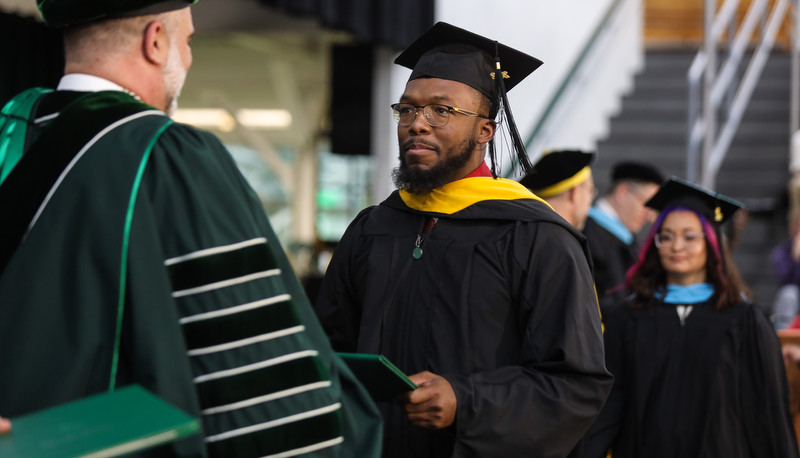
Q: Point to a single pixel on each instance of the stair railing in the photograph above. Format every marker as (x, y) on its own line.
(612, 21)
(716, 94)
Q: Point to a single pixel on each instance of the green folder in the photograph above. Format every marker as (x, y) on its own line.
(382, 379)
(124, 421)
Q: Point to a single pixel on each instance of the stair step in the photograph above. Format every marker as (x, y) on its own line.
(771, 157)
(647, 131)
(677, 109)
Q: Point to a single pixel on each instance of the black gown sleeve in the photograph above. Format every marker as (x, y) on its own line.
(338, 306)
(604, 430)
(764, 390)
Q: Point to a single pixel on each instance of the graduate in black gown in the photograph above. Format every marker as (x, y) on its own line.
(698, 369)
(468, 282)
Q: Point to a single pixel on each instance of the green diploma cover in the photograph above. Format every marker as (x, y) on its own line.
(124, 421)
(382, 379)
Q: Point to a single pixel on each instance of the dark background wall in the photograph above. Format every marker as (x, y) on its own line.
(32, 55)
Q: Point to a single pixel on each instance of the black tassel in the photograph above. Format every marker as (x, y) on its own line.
(516, 139)
(493, 159)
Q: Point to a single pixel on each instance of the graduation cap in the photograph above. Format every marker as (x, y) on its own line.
(61, 13)
(674, 191)
(636, 171)
(558, 171)
(452, 53)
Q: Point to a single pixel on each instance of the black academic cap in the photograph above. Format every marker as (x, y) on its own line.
(61, 13)
(452, 53)
(677, 192)
(636, 171)
(558, 171)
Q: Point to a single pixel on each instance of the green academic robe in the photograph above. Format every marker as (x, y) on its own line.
(150, 260)
(500, 303)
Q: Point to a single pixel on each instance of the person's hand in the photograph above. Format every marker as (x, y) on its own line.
(5, 425)
(433, 404)
(791, 354)
(796, 246)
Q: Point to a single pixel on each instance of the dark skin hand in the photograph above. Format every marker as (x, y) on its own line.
(433, 404)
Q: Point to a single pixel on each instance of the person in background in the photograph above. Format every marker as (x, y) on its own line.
(613, 223)
(468, 282)
(698, 369)
(791, 354)
(785, 259)
(134, 252)
(564, 179)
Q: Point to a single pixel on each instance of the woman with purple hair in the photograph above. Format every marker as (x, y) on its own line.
(698, 369)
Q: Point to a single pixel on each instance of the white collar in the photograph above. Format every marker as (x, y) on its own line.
(603, 204)
(82, 82)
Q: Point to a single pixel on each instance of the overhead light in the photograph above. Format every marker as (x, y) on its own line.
(221, 119)
(209, 118)
(264, 119)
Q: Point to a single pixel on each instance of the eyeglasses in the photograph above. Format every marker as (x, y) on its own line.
(435, 114)
(592, 189)
(690, 240)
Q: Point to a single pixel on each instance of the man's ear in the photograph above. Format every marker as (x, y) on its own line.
(621, 190)
(486, 131)
(573, 193)
(155, 46)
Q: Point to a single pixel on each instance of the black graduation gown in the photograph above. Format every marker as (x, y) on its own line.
(611, 258)
(714, 387)
(152, 262)
(501, 304)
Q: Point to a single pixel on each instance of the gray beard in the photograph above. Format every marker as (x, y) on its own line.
(417, 181)
(174, 76)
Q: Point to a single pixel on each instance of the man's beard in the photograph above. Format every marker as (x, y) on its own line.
(174, 77)
(418, 181)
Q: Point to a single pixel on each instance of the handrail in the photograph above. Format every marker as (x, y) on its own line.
(568, 80)
(729, 69)
(746, 88)
(724, 17)
(702, 126)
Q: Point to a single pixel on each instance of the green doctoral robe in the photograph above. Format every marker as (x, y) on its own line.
(148, 259)
(500, 303)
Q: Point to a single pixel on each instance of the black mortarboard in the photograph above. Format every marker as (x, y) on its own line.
(452, 53)
(558, 171)
(636, 171)
(61, 13)
(677, 192)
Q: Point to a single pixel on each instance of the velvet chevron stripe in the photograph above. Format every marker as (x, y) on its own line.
(288, 437)
(247, 324)
(260, 381)
(211, 266)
